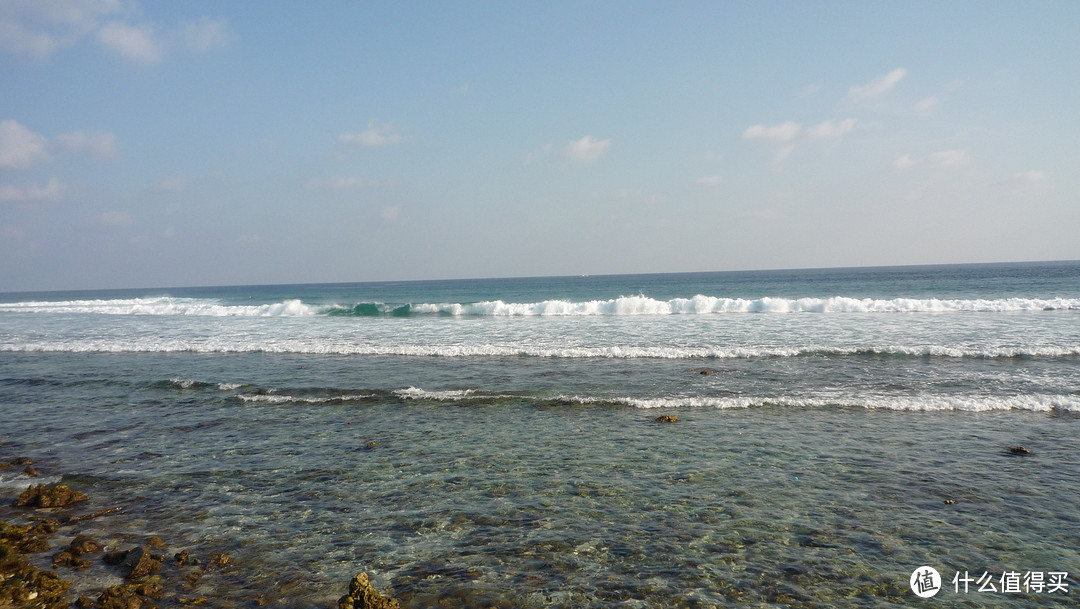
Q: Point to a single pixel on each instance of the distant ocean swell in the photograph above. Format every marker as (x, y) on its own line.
(627, 305)
(212, 345)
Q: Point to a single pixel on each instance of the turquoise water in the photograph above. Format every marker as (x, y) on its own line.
(483, 455)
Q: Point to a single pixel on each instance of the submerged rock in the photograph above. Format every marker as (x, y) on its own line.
(362, 595)
(41, 496)
(141, 563)
(84, 545)
(1018, 450)
(667, 418)
(72, 555)
(119, 597)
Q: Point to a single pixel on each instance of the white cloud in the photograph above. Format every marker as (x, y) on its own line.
(20, 147)
(710, 180)
(51, 192)
(950, 158)
(173, 184)
(904, 161)
(877, 87)
(115, 219)
(205, 35)
(40, 28)
(783, 153)
(586, 150)
(942, 158)
(339, 183)
(376, 135)
(390, 213)
(1035, 176)
(926, 107)
(783, 132)
(831, 128)
(138, 43)
(762, 215)
(98, 143)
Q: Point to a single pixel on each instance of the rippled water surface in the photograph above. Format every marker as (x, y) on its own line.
(836, 430)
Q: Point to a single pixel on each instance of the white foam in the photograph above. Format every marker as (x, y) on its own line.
(967, 403)
(623, 306)
(161, 306)
(22, 482)
(415, 393)
(316, 347)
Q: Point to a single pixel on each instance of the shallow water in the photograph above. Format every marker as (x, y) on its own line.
(494, 443)
(519, 503)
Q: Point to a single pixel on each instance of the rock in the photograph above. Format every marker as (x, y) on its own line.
(119, 597)
(140, 563)
(84, 545)
(114, 558)
(156, 542)
(67, 558)
(30, 472)
(950, 501)
(667, 418)
(44, 526)
(182, 557)
(85, 602)
(1018, 450)
(41, 496)
(33, 544)
(22, 461)
(152, 590)
(362, 595)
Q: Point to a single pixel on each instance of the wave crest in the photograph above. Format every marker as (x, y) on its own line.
(623, 306)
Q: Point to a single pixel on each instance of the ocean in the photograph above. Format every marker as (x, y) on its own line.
(480, 443)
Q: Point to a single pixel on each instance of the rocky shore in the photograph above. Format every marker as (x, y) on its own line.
(50, 558)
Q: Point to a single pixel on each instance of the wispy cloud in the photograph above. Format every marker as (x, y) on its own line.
(115, 219)
(786, 134)
(831, 128)
(710, 180)
(942, 158)
(905, 161)
(173, 184)
(950, 158)
(42, 28)
(783, 132)
(390, 213)
(926, 106)
(877, 87)
(376, 135)
(339, 183)
(586, 150)
(1035, 176)
(51, 192)
(98, 143)
(138, 43)
(20, 147)
(205, 35)
(39, 29)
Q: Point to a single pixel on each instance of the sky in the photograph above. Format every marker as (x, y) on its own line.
(163, 144)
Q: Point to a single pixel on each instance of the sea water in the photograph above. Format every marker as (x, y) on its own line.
(481, 443)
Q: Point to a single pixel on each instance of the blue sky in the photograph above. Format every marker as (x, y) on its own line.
(147, 144)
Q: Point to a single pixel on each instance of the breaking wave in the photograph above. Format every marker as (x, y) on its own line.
(920, 403)
(627, 305)
(118, 345)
